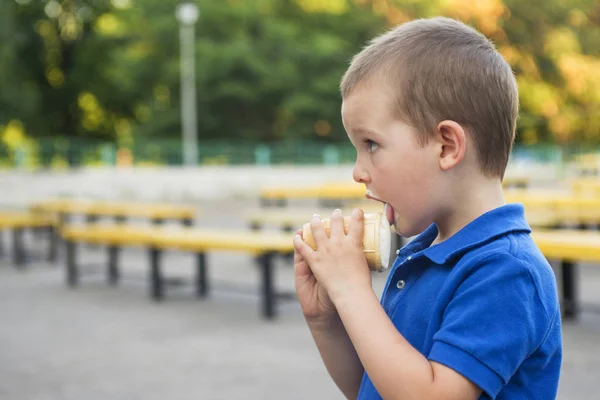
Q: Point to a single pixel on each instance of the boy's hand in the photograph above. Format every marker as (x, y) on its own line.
(339, 263)
(314, 300)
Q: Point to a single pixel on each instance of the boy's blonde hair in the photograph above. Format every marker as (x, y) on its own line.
(440, 69)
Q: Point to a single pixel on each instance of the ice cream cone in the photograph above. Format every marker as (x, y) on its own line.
(376, 239)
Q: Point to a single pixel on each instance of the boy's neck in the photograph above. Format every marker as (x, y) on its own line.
(470, 200)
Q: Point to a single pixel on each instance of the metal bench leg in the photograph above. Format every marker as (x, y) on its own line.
(569, 288)
(37, 232)
(54, 244)
(264, 203)
(18, 247)
(113, 265)
(156, 280)
(269, 296)
(55, 238)
(72, 273)
(201, 275)
(256, 226)
(64, 219)
(91, 219)
(52, 253)
(1, 243)
(281, 203)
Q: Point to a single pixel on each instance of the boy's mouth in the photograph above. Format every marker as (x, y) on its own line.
(389, 211)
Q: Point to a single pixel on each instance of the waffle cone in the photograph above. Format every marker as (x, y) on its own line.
(376, 239)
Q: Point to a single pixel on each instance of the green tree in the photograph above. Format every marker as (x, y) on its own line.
(267, 70)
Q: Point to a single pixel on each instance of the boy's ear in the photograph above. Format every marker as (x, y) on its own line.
(453, 141)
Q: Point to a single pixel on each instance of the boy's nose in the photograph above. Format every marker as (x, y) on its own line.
(360, 175)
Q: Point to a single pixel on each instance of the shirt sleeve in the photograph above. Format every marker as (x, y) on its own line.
(493, 322)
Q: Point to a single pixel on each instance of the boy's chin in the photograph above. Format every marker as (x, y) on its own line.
(405, 230)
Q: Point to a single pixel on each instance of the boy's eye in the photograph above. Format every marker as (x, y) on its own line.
(371, 145)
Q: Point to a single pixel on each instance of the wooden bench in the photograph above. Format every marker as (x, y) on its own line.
(569, 247)
(555, 210)
(589, 186)
(157, 213)
(262, 245)
(328, 195)
(17, 222)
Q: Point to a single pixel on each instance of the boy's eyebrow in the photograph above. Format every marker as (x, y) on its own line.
(365, 131)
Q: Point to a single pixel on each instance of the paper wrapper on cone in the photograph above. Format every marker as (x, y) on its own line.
(377, 240)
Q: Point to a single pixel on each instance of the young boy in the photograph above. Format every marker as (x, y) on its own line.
(470, 309)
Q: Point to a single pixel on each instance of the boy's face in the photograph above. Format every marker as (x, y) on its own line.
(390, 162)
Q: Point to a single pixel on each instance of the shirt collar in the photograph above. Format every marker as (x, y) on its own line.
(497, 222)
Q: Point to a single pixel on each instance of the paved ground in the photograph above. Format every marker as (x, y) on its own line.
(98, 342)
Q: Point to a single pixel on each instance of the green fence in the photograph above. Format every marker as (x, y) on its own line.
(62, 153)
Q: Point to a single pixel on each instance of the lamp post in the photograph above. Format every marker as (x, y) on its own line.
(187, 15)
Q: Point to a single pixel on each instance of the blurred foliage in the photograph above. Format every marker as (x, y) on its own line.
(267, 70)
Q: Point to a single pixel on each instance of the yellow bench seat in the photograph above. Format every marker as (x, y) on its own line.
(18, 219)
(17, 222)
(116, 209)
(326, 191)
(571, 245)
(188, 239)
(563, 208)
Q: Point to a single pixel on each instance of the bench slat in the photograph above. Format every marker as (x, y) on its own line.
(569, 245)
(12, 220)
(158, 211)
(189, 239)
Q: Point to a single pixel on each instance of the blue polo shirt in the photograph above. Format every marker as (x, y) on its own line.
(484, 303)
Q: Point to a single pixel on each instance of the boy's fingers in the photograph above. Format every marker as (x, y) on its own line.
(302, 251)
(297, 257)
(357, 224)
(317, 229)
(337, 223)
